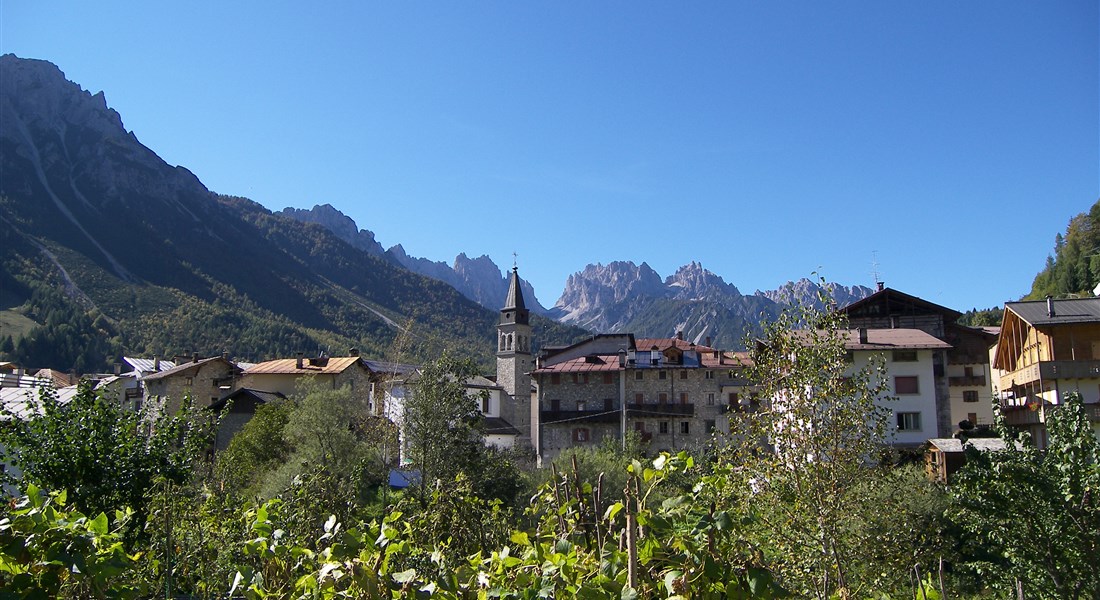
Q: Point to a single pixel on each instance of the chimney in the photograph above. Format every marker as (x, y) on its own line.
(680, 335)
(881, 286)
(1050, 306)
(194, 357)
(298, 362)
(118, 369)
(863, 335)
(156, 364)
(225, 356)
(622, 358)
(354, 352)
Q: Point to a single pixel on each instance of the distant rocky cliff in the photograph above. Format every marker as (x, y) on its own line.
(625, 297)
(479, 279)
(618, 297)
(338, 223)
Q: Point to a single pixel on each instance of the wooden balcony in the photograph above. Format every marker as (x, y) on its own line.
(1050, 370)
(640, 411)
(1022, 415)
(585, 416)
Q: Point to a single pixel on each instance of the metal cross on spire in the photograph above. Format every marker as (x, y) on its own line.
(515, 261)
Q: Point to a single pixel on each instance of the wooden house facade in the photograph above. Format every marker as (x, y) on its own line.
(1047, 349)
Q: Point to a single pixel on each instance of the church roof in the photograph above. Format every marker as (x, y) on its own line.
(514, 301)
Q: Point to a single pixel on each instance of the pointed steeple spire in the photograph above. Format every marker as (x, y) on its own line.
(514, 301)
(514, 310)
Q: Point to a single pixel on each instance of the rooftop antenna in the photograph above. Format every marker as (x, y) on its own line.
(874, 268)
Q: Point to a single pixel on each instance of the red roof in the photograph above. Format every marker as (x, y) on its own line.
(584, 364)
(665, 343)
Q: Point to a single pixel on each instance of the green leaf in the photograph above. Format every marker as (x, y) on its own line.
(520, 538)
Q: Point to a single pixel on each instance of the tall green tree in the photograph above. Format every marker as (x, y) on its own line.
(442, 423)
(1037, 513)
(802, 465)
(104, 456)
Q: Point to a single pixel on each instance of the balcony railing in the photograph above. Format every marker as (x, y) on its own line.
(636, 411)
(587, 416)
(1052, 369)
(1023, 415)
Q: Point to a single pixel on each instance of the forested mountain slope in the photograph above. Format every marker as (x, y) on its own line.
(130, 254)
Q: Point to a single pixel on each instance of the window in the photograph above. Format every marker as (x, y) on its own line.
(580, 434)
(908, 384)
(188, 381)
(608, 404)
(662, 427)
(639, 375)
(662, 398)
(683, 397)
(639, 397)
(710, 398)
(608, 378)
(709, 424)
(555, 405)
(639, 426)
(708, 374)
(905, 356)
(576, 378)
(970, 396)
(972, 417)
(555, 378)
(685, 427)
(584, 377)
(485, 405)
(908, 421)
(581, 405)
(734, 398)
(662, 374)
(684, 374)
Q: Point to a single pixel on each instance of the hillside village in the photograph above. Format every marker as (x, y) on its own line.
(946, 380)
(620, 444)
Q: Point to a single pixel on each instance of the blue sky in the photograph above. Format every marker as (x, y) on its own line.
(946, 142)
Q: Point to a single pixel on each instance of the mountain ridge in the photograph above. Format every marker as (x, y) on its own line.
(168, 267)
(617, 297)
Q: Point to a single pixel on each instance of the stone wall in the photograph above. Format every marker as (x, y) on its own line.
(681, 410)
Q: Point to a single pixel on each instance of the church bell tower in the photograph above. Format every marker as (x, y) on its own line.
(514, 362)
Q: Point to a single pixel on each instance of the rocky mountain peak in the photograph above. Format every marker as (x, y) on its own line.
(43, 97)
(693, 281)
(343, 226)
(810, 293)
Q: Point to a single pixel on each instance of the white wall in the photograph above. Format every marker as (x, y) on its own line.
(922, 403)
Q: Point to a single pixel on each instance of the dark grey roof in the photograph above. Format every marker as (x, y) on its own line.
(515, 294)
(1066, 311)
(187, 366)
(258, 396)
(498, 426)
(391, 368)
